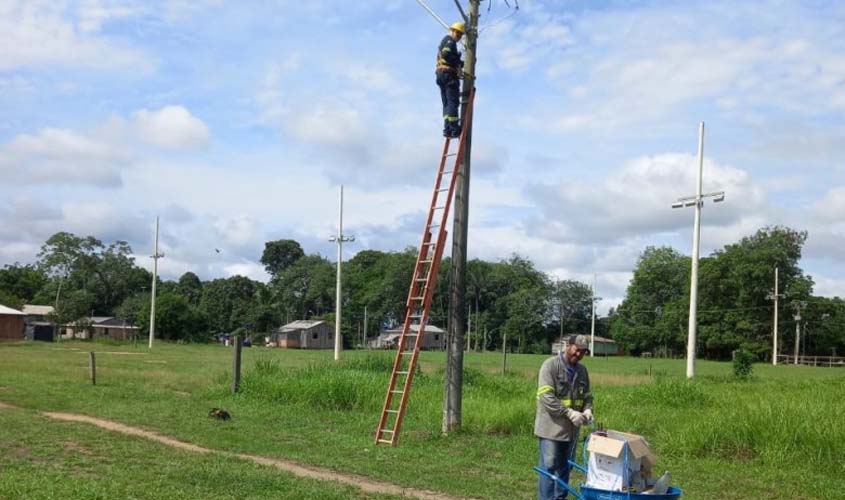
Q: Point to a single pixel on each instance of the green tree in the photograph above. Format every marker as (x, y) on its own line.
(22, 282)
(226, 302)
(653, 310)
(279, 255)
(190, 287)
(175, 319)
(306, 288)
(734, 283)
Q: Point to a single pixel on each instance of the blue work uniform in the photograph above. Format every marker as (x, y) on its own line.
(449, 67)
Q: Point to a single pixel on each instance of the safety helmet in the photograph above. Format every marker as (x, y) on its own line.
(458, 26)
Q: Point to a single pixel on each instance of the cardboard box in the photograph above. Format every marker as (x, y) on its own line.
(608, 456)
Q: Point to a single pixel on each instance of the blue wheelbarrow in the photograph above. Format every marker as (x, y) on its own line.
(590, 493)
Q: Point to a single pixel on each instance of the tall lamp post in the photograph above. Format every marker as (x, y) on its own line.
(339, 239)
(696, 201)
(155, 256)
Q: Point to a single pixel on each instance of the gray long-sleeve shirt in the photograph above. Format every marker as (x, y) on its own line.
(557, 394)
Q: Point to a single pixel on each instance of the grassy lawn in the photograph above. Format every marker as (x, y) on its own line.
(45, 459)
(779, 435)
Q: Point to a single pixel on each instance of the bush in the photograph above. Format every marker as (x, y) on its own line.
(742, 364)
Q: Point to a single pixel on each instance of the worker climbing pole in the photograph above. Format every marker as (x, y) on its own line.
(453, 376)
(451, 184)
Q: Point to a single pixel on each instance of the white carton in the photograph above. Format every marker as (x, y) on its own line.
(608, 456)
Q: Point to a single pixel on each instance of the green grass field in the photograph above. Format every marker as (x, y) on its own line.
(779, 435)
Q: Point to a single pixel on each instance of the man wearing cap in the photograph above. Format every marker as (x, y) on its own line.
(448, 72)
(564, 403)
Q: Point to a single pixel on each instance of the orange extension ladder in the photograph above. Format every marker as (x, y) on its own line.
(423, 283)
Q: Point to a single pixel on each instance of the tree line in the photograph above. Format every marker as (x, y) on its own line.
(510, 298)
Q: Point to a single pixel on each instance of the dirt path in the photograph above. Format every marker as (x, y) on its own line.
(308, 471)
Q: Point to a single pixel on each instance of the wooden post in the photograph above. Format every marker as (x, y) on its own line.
(92, 366)
(236, 366)
(504, 354)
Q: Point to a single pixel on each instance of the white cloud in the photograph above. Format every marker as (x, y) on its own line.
(60, 156)
(37, 33)
(172, 127)
(635, 200)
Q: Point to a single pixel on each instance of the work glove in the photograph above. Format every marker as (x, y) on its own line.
(576, 417)
(588, 415)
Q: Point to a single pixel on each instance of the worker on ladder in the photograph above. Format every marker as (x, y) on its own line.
(449, 71)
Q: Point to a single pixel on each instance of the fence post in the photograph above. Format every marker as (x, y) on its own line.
(92, 366)
(504, 354)
(236, 366)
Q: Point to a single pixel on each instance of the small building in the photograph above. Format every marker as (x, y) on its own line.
(12, 324)
(434, 338)
(603, 346)
(38, 324)
(101, 327)
(303, 334)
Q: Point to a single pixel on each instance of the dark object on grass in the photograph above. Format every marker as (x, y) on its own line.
(219, 414)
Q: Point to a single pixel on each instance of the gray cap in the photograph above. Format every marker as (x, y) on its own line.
(580, 341)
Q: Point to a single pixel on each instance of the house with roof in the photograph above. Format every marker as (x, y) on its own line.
(38, 322)
(603, 346)
(434, 338)
(101, 327)
(12, 324)
(303, 334)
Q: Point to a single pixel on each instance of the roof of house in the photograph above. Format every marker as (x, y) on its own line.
(8, 311)
(36, 310)
(302, 324)
(603, 340)
(415, 328)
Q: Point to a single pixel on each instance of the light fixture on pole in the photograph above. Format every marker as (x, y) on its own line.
(696, 201)
(155, 256)
(339, 239)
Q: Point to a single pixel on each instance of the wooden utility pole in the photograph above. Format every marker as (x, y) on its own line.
(457, 307)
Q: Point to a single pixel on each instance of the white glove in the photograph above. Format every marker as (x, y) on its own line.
(588, 414)
(576, 417)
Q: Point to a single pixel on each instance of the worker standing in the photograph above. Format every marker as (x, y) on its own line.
(449, 71)
(564, 404)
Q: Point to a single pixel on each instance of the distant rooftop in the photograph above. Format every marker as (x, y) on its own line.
(9, 311)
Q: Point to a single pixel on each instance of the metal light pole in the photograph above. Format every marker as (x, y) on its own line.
(775, 296)
(593, 319)
(339, 239)
(697, 201)
(155, 258)
(798, 305)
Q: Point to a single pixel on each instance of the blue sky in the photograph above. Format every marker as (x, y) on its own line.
(237, 121)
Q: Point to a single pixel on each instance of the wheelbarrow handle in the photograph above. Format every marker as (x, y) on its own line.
(560, 482)
(578, 466)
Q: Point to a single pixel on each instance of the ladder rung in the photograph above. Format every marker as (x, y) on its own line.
(418, 298)
(397, 391)
(442, 190)
(430, 243)
(426, 261)
(450, 154)
(434, 225)
(407, 352)
(385, 441)
(402, 373)
(409, 334)
(447, 172)
(421, 279)
(441, 207)
(387, 431)
(392, 411)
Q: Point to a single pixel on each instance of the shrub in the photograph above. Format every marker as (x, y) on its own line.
(742, 364)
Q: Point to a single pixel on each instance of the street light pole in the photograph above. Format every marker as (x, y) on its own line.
(339, 239)
(155, 258)
(697, 201)
(775, 296)
(593, 319)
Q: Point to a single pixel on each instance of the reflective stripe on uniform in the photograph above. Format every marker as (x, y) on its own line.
(451, 118)
(544, 389)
